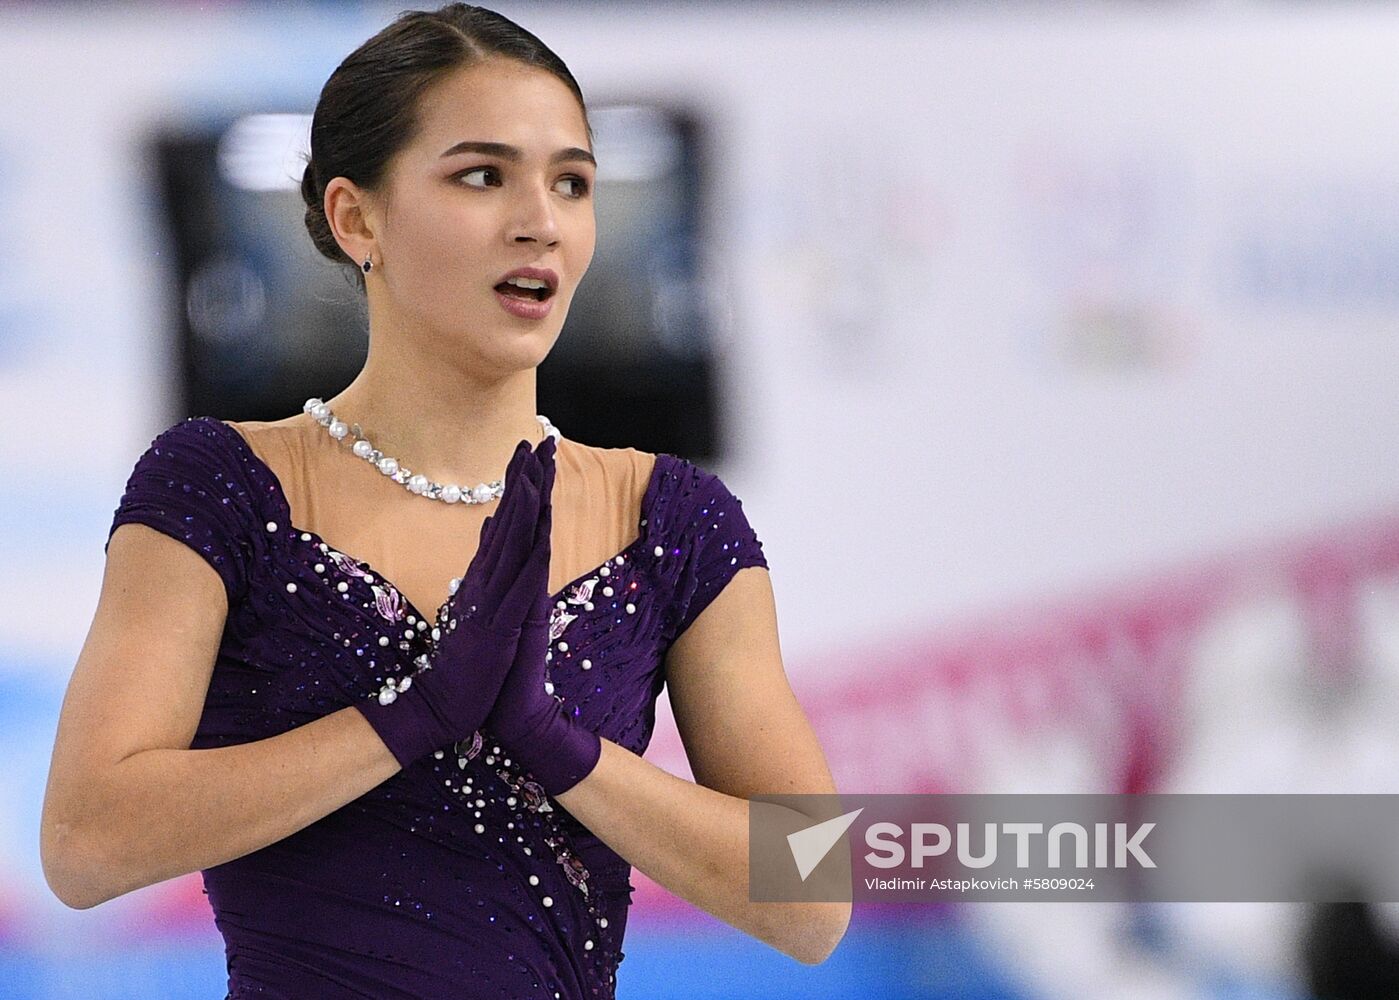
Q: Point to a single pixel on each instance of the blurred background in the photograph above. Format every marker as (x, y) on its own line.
(1051, 348)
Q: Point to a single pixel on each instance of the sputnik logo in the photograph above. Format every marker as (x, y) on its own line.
(811, 845)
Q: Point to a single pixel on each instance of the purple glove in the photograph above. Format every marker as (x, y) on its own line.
(448, 698)
(548, 742)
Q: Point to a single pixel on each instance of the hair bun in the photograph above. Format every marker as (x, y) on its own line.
(317, 225)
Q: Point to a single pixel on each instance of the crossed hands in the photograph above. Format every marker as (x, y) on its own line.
(488, 668)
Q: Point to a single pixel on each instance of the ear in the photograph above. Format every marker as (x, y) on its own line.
(351, 212)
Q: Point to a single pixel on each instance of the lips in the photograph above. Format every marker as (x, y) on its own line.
(523, 307)
(550, 279)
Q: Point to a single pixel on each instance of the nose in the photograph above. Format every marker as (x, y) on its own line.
(535, 221)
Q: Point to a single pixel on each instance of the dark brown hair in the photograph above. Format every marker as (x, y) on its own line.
(368, 109)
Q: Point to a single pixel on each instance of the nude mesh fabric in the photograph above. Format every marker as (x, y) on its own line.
(420, 544)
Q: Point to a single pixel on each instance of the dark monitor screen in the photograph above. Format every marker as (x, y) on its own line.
(261, 321)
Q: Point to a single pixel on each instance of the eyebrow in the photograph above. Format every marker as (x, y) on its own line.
(571, 154)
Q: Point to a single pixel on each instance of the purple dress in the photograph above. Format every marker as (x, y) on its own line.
(456, 877)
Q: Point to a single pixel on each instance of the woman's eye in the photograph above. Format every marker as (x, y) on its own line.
(476, 170)
(580, 188)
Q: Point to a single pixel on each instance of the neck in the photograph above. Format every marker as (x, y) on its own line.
(441, 425)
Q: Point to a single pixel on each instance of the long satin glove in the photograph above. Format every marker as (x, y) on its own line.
(449, 696)
(555, 748)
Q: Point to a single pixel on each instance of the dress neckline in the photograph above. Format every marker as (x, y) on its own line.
(284, 508)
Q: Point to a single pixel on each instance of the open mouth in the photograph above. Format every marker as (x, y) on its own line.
(519, 292)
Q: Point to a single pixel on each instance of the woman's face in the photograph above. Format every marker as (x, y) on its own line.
(455, 223)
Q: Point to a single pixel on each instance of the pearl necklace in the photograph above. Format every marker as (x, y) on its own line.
(419, 484)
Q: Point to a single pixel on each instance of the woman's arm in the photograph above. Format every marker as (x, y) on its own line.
(162, 813)
(128, 803)
(745, 735)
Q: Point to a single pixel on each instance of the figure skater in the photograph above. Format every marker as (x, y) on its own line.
(399, 779)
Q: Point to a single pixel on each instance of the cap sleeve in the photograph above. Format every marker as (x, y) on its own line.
(718, 542)
(188, 485)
